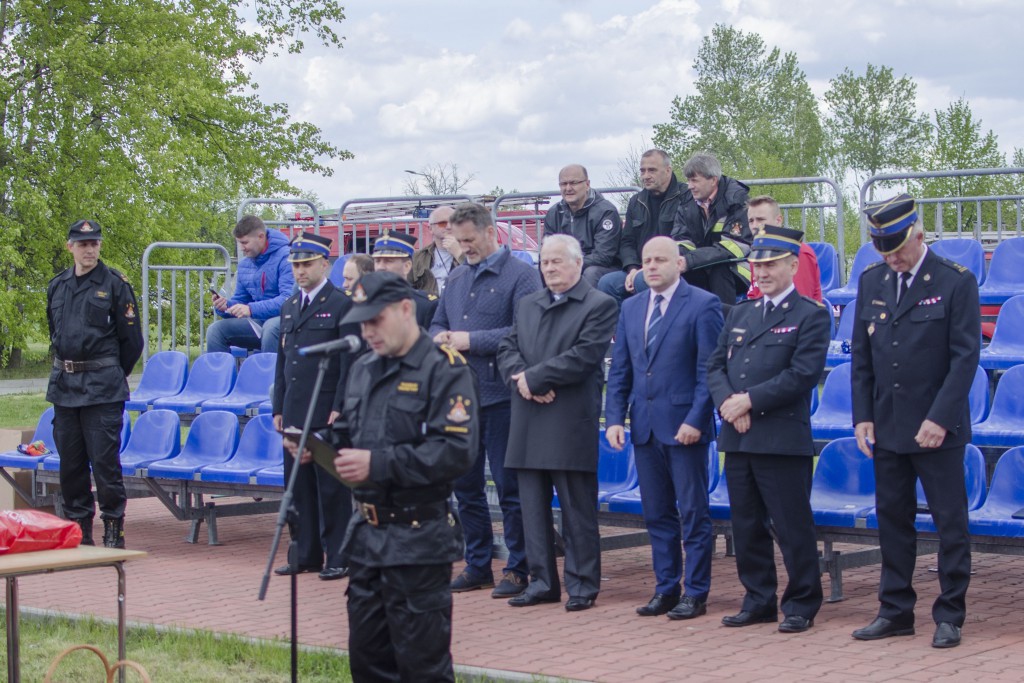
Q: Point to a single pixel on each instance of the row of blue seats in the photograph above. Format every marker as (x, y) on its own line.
(214, 450)
(999, 424)
(214, 383)
(1003, 279)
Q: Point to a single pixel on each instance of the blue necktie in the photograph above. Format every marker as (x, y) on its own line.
(652, 324)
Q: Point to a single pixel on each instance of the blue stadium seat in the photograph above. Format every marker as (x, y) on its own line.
(616, 470)
(978, 398)
(842, 296)
(1007, 346)
(1005, 276)
(266, 408)
(44, 433)
(163, 376)
(271, 476)
(251, 388)
(974, 480)
(1005, 497)
(828, 265)
(1004, 425)
(629, 501)
(834, 417)
(965, 251)
(718, 499)
(240, 352)
(832, 316)
(843, 490)
(156, 436)
(51, 463)
(212, 376)
(815, 400)
(844, 332)
(336, 277)
(259, 448)
(523, 255)
(212, 439)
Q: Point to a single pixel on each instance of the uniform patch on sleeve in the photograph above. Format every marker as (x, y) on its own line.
(129, 313)
(458, 413)
(606, 224)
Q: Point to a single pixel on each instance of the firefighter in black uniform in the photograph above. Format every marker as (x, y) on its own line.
(768, 360)
(411, 408)
(916, 342)
(393, 252)
(95, 339)
(312, 316)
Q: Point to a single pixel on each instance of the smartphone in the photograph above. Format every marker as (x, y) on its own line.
(214, 291)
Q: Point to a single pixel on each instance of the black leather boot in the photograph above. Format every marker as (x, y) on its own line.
(113, 533)
(86, 525)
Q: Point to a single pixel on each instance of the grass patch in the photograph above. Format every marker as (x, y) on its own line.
(18, 411)
(35, 362)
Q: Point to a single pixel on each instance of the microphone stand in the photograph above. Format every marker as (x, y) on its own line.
(287, 514)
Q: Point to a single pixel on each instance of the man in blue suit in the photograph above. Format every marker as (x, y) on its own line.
(662, 346)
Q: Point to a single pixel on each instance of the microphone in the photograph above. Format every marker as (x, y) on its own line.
(347, 344)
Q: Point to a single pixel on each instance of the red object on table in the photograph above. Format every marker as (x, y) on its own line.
(23, 531)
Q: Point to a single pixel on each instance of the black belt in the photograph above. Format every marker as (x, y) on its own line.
(74, 366)
(379, 515)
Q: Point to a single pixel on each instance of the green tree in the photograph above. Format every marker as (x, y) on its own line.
(142, 115)
(753, 109)
(873, 124)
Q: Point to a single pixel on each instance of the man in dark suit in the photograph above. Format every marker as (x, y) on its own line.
(553, 359)
(312, 316)
(661, 350)
(916, 341)
(768, 360)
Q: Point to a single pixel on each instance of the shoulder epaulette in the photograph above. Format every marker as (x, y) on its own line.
(747, 301)
(875, 264)
(814, 301)
(119, 274)
(454, 357)
(431, 297)
(952, 264)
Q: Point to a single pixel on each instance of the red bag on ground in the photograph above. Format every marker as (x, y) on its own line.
(23, 531)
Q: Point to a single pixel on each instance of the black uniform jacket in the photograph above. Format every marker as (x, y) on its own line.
(97, 320)
(417, 415)
(777, 360)
(916, 361)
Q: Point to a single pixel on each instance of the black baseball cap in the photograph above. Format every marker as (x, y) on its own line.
(373, 293)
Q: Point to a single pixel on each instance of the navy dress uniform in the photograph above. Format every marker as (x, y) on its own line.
(916, 343)
(417, 415)
(400, 245)
(324, 504)
(95, 339)
(773, 349)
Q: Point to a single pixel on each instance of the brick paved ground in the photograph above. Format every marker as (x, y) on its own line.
(215, 588)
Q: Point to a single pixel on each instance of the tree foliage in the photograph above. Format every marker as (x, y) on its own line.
(753, 109)
(142, 115)
(873, 124)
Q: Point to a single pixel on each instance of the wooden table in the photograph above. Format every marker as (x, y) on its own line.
(47, 562)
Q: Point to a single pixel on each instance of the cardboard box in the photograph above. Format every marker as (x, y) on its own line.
(9, 500)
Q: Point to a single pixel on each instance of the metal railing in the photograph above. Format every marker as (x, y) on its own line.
(181, 299)
(979, 204)
(528, 220)
(368, 227)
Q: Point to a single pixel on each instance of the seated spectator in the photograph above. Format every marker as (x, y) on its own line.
(590, 218)
(764, 210)
(357, 266)
(440, 256)
(251, 317)
(650, 213)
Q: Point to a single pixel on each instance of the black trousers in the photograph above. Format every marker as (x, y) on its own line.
(90, 435)
(777, 488)
(942, 477)
(400, 623)
(324, 507)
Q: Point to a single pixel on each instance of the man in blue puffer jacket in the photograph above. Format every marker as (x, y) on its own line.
(264, 282)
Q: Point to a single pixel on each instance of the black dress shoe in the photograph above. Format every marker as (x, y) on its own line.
(659, 604)
(288, 570)
(689, 607)
(529, 600)
(745, 618)
(578, 604)
(946, 635)
(883, 628)
(794, 623)
(333, 573)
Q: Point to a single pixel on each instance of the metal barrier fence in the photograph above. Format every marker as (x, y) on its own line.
(969, 213)
(176, 307)
(357, 232)
(812, 212)
(531, 222)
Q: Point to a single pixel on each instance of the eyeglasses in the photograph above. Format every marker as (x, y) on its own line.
(440, 224)
(571, 183)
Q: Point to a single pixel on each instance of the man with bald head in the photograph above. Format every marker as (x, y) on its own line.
(439, 257)
(663, 342)
(593, 220)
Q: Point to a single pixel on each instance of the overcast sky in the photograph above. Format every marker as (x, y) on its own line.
(513, 90)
